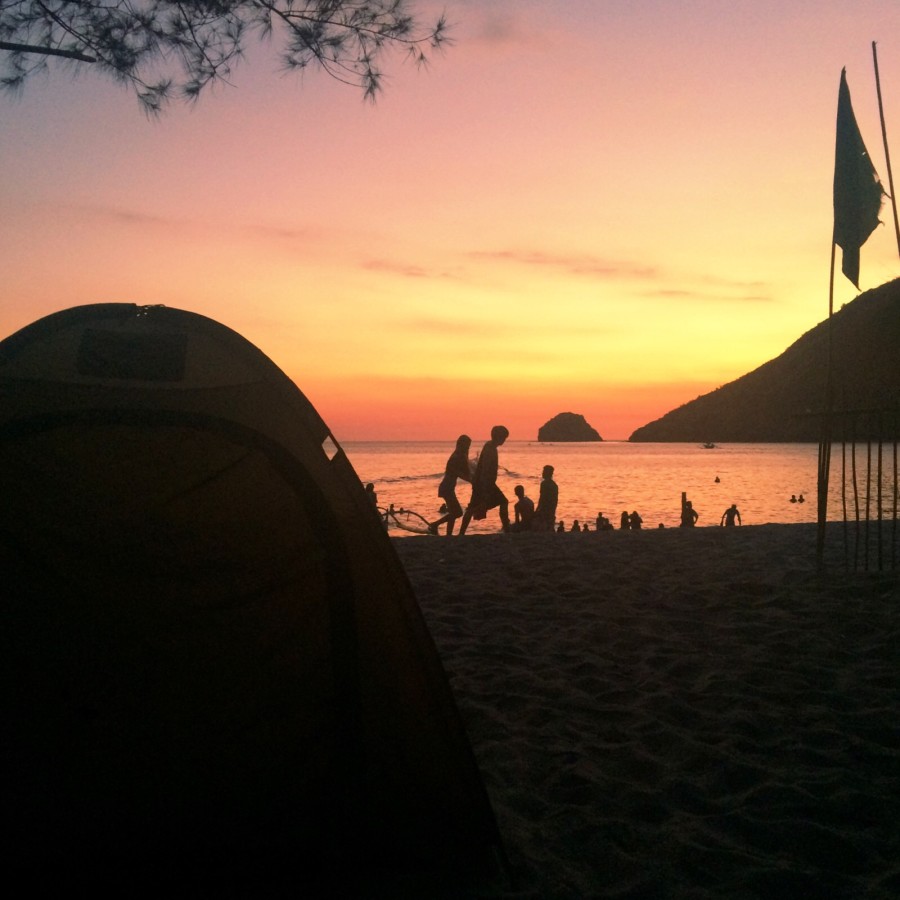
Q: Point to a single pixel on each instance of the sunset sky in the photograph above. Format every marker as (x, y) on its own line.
(608, 207)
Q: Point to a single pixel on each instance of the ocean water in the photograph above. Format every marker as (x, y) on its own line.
(612, 476)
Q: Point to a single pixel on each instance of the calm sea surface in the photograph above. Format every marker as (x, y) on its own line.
(613, 476)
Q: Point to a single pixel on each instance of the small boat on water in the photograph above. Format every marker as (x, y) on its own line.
(708, 445)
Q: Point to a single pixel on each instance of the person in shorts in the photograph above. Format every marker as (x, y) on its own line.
(485, 493)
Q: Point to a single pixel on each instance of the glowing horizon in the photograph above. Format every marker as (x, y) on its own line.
(607, 209)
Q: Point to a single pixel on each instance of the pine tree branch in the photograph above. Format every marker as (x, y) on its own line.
(47, 51)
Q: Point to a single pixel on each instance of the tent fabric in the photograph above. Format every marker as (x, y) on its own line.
(212, 654)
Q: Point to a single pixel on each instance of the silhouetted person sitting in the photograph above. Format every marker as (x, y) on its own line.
(635, 521)
(457, 467)
(730, 515)
(624, 521)
(523, 510)
(561, 527)
(485, 493)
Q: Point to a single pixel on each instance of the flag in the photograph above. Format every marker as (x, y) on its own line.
(857, 190)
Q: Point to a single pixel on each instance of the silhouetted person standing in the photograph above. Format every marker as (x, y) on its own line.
(689, 515)
(485, 493)
(372, 497)
(548, 500)
(730, 515)
(457, 467)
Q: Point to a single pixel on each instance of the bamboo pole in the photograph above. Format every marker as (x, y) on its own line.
(844, 489)
(868, 496)
(887, 155)
(894, 524)
(879, 492)
(855, 503)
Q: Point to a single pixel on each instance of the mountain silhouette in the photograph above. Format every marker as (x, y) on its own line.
(781, 400)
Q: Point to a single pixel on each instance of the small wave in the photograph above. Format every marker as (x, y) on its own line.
(509, 473)
(437, 476)
(405, 479)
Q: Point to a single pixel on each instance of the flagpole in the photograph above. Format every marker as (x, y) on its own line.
(824, 473)
(857, 200)
(887, 155)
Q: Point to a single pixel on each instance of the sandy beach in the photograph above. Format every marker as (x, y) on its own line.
(675, 713)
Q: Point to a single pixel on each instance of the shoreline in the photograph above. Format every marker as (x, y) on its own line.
(675, 711)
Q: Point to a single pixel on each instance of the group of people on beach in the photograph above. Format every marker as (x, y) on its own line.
(633, 522)
(486, 494)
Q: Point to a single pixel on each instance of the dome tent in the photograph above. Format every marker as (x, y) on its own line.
(213, 657)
